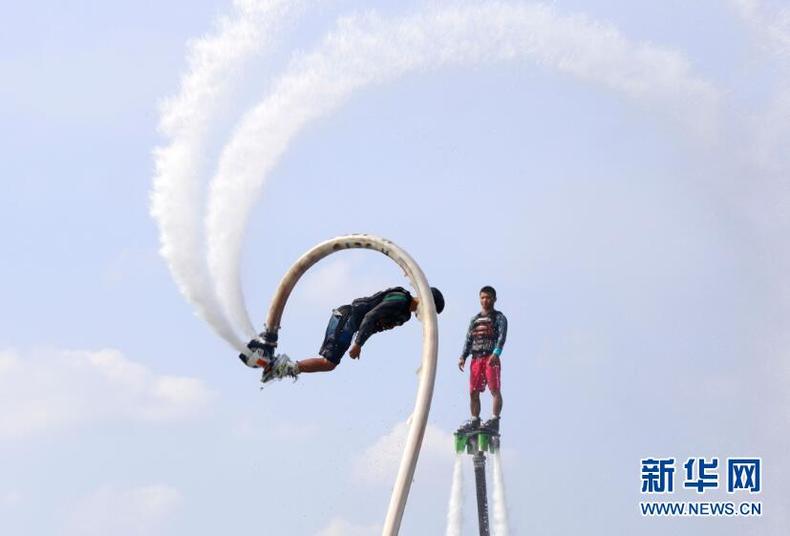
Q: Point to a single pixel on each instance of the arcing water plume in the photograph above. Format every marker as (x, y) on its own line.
(367, 49)
(500, 504)
(176, 200)
(455, 517)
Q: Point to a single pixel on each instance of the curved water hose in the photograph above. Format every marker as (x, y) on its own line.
(430, 342)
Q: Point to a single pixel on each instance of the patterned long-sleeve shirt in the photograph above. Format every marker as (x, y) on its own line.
(486, 334)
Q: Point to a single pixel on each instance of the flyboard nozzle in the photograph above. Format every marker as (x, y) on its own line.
(477, 441)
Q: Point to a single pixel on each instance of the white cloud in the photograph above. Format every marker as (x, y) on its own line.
(10, 499)
(329, 283)
(764, 139)
(135, 511)
(379, 463)
(770, 23)
(45, 391)
(341, 527)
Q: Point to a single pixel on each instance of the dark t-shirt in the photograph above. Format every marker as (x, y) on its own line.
(381, 311)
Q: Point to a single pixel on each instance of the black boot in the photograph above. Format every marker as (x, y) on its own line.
(470, 426)
(492, 424)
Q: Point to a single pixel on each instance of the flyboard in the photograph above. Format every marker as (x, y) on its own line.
(481, 439)
(476, 442)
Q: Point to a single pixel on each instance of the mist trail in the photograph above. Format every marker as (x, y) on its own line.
(177, 203)
(368, 49)
(500, 527)
(364, 49)
(455, 518)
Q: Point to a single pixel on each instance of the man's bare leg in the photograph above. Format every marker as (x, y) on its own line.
(474, 404)
(315, 364)
(497, 402)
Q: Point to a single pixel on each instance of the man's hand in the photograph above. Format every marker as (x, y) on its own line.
(461, 363)
(355, 351)
(493, 360)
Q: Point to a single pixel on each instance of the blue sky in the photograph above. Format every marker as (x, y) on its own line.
(618, 171)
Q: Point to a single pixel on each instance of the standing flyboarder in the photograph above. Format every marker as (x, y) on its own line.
(485, 339)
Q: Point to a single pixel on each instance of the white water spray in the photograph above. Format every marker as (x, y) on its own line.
(455, 518)
(500, 504)
(363, 50)
(186, 118)
(368, 49)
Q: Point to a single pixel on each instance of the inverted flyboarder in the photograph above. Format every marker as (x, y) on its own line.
(485, 339)
(364, 316)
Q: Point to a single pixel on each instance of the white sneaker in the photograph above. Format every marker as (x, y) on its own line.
(280, 368)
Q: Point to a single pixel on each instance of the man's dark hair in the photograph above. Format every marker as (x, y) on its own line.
(438, 299)
(488, 290)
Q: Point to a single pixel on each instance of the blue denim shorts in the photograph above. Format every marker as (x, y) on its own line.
(339, 333)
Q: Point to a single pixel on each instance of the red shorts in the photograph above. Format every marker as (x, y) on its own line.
(482, 374)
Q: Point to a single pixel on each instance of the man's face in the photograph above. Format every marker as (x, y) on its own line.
(487, 301)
